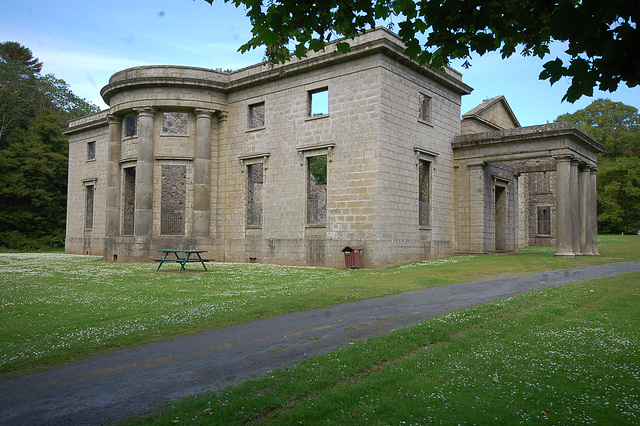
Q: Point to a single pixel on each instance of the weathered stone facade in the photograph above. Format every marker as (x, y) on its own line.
(231, 154)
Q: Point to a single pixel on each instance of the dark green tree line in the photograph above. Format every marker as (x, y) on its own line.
(34, 109)
(617, 127)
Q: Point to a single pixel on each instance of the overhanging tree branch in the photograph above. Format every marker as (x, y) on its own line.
(602, 36)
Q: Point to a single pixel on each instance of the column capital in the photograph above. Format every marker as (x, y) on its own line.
(476, 164)
(147, 111)
(594, 170)
(563, 158)
(204, 112)
(223, 115)
(114, 119)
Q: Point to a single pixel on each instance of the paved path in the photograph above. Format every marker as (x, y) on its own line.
(112, 386)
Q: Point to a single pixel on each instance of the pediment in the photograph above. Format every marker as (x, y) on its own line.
(492, 114)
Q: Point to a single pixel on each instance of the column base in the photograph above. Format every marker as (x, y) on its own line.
(564, 254)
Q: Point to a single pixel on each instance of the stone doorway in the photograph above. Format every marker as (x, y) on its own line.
(500, 203)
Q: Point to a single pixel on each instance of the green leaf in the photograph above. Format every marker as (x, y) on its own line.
(343, 47)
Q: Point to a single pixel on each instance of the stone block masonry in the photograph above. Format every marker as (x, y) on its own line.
(287, 164)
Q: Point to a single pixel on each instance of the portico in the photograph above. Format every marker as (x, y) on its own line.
(575, 155)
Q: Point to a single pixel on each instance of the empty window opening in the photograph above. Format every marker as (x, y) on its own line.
(172, 199)
(256, 116)
(174, 123)
(130, 126)
(544, 220)
(88, 209)
(319, 102)
(91, 150)
(254, 194)
(424, 108)
(317, 190)
(424, 179)
(129, 202)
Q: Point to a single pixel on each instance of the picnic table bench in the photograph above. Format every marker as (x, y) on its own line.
(182, 257)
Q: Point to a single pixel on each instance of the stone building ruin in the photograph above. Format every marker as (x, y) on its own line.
(289, 164)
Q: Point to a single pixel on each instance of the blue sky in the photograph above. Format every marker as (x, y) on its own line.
(85, 42)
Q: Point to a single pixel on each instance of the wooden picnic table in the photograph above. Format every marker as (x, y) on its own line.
(182, 257)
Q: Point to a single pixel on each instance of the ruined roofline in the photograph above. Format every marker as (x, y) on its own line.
(543, 131)
(369, 43)
(87, 122)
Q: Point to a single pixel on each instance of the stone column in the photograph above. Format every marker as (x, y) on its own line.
(564, 231)
(575, 208)
(144, 174)
(112, 225)
(202, 174)
(584, 184)
(593, 210)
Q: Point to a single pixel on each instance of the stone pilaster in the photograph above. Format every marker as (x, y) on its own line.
(584, 184)
(112, 224)
(575, 208)
(477, 201)
(144, 174)
(202, 174)
(593, 209)
(564, 230)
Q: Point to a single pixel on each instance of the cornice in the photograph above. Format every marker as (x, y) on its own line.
(379, 40)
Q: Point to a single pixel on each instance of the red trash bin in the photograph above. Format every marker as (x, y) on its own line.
(352, 258)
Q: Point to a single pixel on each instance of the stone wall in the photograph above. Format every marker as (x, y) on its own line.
(404, 137)
(373, 135)
(87, 171)
(347, 135)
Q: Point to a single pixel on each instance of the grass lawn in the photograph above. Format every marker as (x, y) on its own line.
(56, 307)
(568, 355)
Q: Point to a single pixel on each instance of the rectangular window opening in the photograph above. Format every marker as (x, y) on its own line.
(319, 102)
(424, 108)
(255, 183)
(317, 190)
(173, 196)
(544, 220)
(130, 126)
(91, 150)
(256, 115)
(129, 202)
(88, 210)
(424, 192)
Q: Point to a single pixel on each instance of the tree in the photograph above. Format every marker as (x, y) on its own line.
(613, 124)
(33, 184)
(33, 151)
(619, 195)
(603, 44)
(617, 127)
(58, 96)
(11, 51)
(24, 91)
(18, 97)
